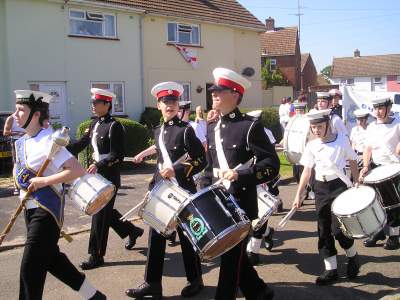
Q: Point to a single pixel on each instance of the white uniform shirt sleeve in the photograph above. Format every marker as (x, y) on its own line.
(338, 124)
(307, 159)
(350, 154)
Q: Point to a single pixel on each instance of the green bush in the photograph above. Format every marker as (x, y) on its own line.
(150, 117)
(136, 139)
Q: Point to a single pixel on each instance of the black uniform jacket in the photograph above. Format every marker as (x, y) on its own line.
(243, 137)
(110, 140)
(179, 138)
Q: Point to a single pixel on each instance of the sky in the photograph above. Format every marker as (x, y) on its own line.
(336, 28)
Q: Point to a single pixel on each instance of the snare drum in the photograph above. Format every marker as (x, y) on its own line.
(297, 134)
(159, 209)
(213, 222)
(359, 212)
(91, 193)
(267, 205)
(386, 181)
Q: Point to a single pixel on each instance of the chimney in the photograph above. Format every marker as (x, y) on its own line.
(356, 53)
(270, 24)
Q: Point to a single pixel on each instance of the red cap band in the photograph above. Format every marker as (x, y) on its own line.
(102, 97)
(231, 84)
(165, 93)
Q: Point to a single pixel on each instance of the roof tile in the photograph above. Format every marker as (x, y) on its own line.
(280, 42)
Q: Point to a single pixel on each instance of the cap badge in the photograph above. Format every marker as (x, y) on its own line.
(232, 115)
(170, 92)
(170, 122)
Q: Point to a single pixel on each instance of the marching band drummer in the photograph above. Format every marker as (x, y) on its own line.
(231, 141)
(383, 146)
(105, 135)
(44, 210)
(173, 139)
(359, 133)
(324, 102)
(328, 148)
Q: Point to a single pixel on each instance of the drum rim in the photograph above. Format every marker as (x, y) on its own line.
(222, 234)
(358, 212)
(381, 180)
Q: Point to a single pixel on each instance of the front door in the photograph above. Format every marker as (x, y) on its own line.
(58, 104)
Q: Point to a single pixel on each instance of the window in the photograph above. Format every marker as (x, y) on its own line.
(349, 81)
(118, 106)
(184, 34)
(272, 65)
(186, 91)
(398, 79)
(377, 80)
(85, 23)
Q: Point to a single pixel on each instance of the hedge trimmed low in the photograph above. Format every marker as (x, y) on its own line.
(136, 139)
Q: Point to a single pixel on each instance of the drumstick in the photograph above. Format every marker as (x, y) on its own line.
(125, 216)
(238, 167)
(286, 218)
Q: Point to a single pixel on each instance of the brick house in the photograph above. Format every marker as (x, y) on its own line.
(308, 72)
(281, 46)
(368, 73)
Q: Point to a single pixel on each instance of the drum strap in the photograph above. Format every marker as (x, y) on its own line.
(223, 163)
(94, 143)
(166, 159)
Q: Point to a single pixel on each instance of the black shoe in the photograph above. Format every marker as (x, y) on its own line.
(192, 288)
(266, 294)
(371, 242)
(280, 206)
(269, 243)
(392, 243)
(136, 233)
(353, 267)
(172, 239)
(327, 277)
(254, 258)
(98, 296)
(92, 263)
(150, 291)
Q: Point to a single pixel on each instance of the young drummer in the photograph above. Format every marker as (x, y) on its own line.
(358, 133)
(231, 141)
(105, 135)
(44, 210)
(320, 153)
(173, 139)
(324, 101)
(383, 147)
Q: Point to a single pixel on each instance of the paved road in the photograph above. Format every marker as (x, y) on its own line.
(290, 268)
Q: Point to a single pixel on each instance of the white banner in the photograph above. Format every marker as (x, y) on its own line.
(353, 100)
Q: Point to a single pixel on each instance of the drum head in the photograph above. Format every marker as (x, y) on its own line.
(103, 198)
(353, 200)
(382, 173)
(297, 133)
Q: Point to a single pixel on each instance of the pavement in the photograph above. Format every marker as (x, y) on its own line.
(290, 268)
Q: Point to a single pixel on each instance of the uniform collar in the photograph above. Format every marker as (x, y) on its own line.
(175, 120)
(233, 115)
(104, 118)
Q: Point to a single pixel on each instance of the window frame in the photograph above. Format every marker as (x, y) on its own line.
(176, 41)
(111, 89)
(103, 23)
(273, 62)
(377, 82)
(189, 85)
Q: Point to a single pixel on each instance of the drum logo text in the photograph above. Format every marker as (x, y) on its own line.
(197, 227)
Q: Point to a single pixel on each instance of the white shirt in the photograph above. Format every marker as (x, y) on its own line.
(357, 137)
(338, 125)
(200, 129)
(322, 155)
(284, 112)
(36, 150)
(383, 139)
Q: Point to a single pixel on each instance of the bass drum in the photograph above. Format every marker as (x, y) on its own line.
(297, 134)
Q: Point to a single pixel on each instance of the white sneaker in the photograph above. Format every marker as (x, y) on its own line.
(16, 192)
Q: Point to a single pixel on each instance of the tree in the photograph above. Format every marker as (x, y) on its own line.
(327, 71)
(272, 78)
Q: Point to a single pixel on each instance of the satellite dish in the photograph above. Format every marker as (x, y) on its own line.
(248, 71)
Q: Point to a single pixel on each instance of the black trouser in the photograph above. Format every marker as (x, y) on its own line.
(328, 225)
(236, 272)
(42, 255)
(156, 255)
(101, 223)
